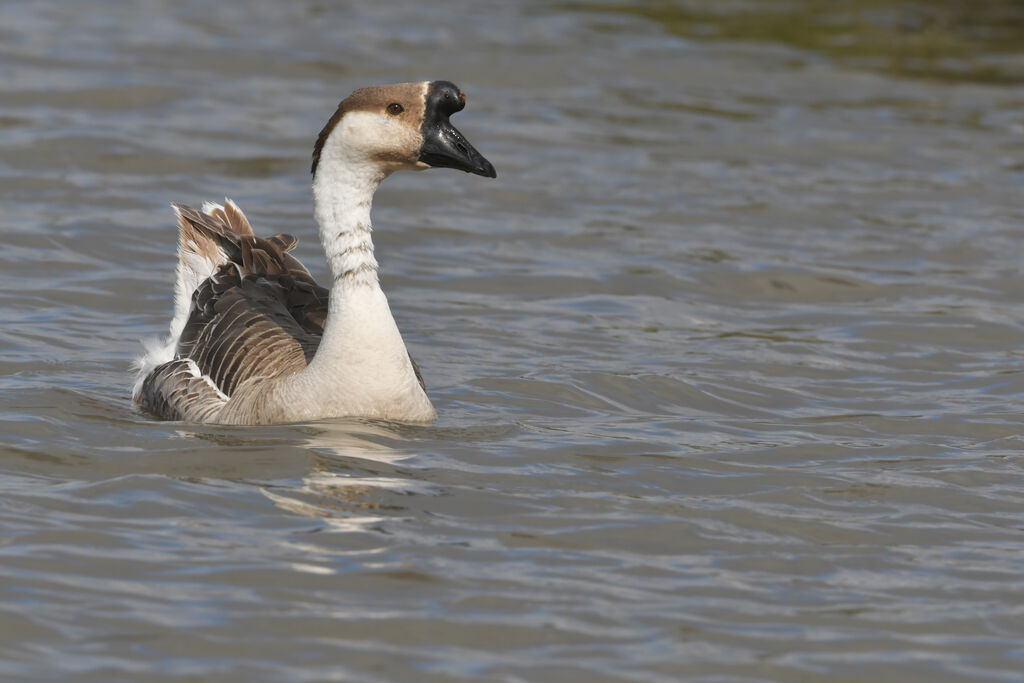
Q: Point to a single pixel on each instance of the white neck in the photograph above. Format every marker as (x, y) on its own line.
(342, 195)
(361, 366)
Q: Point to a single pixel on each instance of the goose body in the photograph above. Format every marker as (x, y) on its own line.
(254, 339)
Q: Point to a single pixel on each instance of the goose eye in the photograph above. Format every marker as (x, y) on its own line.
(395, 109)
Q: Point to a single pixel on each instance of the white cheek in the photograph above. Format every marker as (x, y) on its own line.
(367, 131)
(367, 135)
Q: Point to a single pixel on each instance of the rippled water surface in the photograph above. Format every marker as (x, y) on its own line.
(728, 360)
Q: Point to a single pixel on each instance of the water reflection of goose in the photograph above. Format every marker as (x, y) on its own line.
(254, 339)
(358, 480)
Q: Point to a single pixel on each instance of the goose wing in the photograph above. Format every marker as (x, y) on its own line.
(259, 315)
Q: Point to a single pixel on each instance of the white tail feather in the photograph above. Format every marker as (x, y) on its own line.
(194, 267)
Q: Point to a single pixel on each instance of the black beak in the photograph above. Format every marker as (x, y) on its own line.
(443, 145)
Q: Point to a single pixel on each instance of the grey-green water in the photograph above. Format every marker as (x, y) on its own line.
(728, 360)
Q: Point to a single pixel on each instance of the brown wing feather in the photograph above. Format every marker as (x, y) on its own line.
(233, 217)
(173, 392)
(244, 326)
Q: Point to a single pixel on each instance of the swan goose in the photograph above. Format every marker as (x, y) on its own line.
(254, 339)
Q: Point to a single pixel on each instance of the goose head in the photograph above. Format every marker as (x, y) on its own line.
(405, 126)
